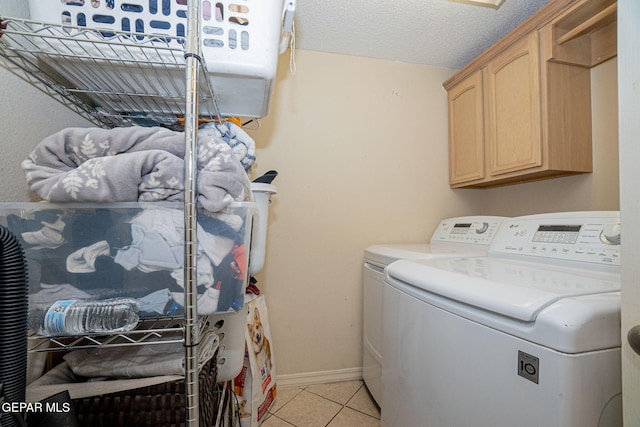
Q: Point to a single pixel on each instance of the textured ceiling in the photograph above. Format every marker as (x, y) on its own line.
(439, 33)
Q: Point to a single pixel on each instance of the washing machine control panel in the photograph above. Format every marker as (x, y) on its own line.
(468, 229)
(577, 236)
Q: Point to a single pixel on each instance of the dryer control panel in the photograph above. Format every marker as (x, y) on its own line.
(467, 229)
(576, 236)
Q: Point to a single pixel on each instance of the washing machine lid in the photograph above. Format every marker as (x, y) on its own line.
(383, 255)
(515, 289)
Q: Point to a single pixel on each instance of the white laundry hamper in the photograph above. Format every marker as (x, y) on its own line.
(240, 43)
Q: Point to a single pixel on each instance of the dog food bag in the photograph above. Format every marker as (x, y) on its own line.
(255, 385)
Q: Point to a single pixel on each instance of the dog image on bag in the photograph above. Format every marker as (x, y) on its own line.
(242, 412)
(260, 343)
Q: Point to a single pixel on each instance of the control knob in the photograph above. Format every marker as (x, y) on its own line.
(484, 226)
(610, 234)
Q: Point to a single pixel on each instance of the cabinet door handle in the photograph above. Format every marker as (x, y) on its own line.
(634, 338)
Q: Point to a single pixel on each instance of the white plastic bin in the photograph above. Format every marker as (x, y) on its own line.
(230, 328)
(262, 195)
(133, 249)
(240, 42)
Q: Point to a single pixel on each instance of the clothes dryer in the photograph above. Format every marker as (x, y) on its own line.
(527, 336)
(469, 236)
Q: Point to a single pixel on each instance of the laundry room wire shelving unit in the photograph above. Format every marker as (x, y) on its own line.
(50, 56)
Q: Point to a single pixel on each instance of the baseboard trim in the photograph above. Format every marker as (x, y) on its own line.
(322, 377)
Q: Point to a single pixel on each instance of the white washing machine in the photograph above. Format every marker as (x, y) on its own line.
(527, 336)
(469, 235)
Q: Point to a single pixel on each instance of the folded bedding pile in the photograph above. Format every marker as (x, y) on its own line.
(133, 164)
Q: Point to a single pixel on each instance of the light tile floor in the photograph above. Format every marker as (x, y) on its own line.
(343, 404)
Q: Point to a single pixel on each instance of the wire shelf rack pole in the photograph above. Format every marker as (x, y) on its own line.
(192, 331)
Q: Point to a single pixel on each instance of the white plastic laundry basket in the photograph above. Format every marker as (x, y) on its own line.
(240, 38)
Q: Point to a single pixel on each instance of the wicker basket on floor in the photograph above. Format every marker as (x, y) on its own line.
(161, 405)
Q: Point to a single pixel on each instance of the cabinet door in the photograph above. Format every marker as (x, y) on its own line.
(466, 134)
(512, 87)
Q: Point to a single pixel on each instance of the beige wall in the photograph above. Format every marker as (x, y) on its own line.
(361, 148)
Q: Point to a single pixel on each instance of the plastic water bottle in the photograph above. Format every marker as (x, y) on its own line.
(80, 317)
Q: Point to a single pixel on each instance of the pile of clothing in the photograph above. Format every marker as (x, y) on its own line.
(98, 253)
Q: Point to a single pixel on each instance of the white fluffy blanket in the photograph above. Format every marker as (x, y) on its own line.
(133, 164)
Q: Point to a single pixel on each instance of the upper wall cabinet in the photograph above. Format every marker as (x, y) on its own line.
(521, 111)
(466, 130)
(512, 105)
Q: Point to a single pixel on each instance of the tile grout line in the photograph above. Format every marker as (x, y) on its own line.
(302, 390)
(370, 397)
(331, 400)
(345, 405)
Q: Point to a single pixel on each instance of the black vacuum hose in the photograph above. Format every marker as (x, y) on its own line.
(13, 322)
